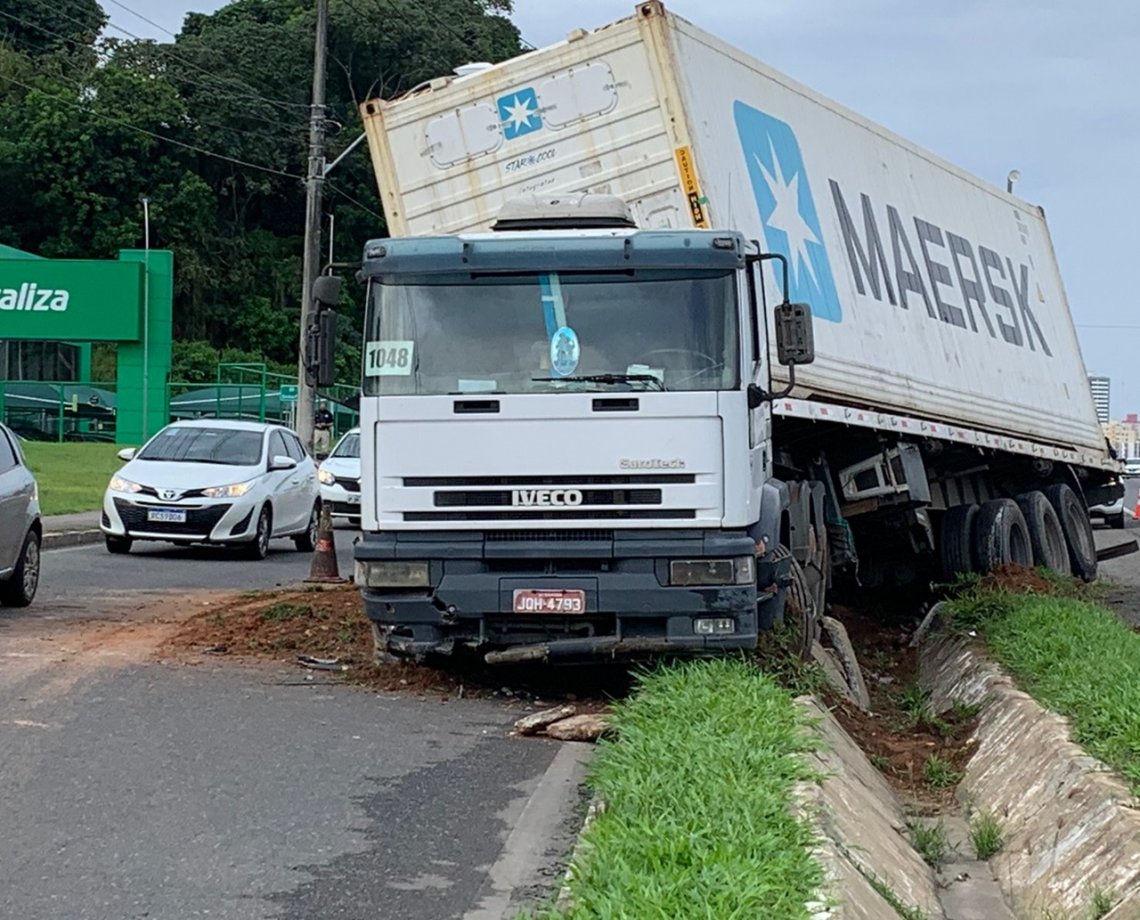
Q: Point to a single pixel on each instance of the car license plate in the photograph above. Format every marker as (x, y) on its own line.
(541, 600)
(166, 516)
(352, 499)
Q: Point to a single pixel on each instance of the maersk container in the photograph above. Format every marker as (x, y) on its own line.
(935, 294)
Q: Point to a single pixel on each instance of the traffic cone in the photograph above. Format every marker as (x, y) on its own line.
(1136, 510)
(325, 568)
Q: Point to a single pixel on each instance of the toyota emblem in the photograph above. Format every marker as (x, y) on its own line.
(168, 494)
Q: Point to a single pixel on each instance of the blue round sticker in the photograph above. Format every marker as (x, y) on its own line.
(565, 350)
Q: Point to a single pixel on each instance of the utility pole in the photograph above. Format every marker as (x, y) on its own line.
(313, 188)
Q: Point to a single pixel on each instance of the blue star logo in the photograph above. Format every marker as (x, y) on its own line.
(519, 113)
(787, 209)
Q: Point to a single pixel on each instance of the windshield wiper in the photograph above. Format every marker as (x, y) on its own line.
(659, 384)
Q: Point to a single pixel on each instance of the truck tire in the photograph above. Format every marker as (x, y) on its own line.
(1045, 533)
(802, 612)
(1077, 527)
(1001, 536)
(956, 541)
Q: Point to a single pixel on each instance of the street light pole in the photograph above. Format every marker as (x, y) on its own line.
(146, 318)
(1010, 180)
(312, 244)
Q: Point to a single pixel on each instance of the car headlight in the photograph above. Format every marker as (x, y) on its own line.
(236, 490)
(119, 484)
(708, 572)
(392, 574)
(326, 477)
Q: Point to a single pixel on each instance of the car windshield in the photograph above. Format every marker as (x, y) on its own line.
(349, 446)
(542, 333)
(227, 446)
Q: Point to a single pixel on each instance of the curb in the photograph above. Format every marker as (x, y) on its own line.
(1071, 824)
(861, 832)
(65, 538)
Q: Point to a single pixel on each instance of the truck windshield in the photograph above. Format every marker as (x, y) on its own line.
(542, 333)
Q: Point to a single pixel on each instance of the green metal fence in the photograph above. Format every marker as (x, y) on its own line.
(85, 410)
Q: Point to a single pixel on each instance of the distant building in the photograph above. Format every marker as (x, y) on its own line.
(1100, 391)
(1124, 436)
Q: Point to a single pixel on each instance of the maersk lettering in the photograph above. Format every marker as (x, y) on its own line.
(30, 297)
(977, 270)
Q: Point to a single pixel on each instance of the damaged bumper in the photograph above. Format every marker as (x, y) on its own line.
(630, 607)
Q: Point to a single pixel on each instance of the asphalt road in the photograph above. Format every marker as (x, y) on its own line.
(87, 581)
(134, 788)
(174, 793)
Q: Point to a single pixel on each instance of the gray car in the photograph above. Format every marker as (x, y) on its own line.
(20, 528)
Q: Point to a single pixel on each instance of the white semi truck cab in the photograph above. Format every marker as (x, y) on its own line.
(566, 439)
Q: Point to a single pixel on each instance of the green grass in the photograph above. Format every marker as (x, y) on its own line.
(986, 836)
(939, 773)
(72, 477)
(285, 611)
(1073, 657)
(930, 841)
(698, 792)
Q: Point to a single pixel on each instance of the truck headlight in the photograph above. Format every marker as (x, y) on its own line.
(709, 572)
(326, 477)
(392, 574)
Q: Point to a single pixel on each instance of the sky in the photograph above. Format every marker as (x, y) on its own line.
(1041, 86)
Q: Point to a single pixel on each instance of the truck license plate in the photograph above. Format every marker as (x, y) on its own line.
(166, 516)
(541, 600)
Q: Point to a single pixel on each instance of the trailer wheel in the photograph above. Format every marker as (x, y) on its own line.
(1045, 533)
(956, 541)
(1001, 536)
(1077, 527)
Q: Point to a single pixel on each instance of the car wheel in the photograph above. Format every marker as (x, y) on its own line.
(20, 589)
(120, 546)
(258, 547)
(307, 542)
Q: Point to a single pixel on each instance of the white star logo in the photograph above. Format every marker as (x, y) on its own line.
(786, 216)
(519, 113)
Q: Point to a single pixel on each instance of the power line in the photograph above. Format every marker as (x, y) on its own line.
(160, 137)
(250, 93)
(348, 197)
(105, 57)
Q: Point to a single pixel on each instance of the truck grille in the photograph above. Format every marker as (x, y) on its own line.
(621, 497)
(624, 479)
(548, 536)
(589, 497)
(554, 514)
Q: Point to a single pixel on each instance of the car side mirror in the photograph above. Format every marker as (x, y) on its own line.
(127, 454)
(795, 340)
(282, 463)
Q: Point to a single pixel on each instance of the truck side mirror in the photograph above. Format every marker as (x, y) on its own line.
(795, 340)
(326, 290)
(320, 351)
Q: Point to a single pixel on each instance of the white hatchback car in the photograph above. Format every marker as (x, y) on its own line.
(215, 481)
(339, 474)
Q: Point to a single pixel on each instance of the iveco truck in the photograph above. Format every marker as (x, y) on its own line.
(664, 345)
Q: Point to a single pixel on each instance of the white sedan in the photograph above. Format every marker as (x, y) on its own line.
(339, 474)
(215, 481)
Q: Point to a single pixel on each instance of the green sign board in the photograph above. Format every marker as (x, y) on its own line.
(45, 299)
(288, 393)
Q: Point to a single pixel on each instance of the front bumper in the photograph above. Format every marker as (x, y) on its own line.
(342, 502)
(207, 520)
(631, 609)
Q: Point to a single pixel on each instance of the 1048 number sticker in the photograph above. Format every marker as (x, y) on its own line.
(389, 358)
